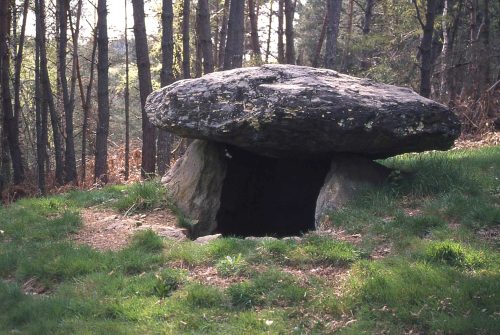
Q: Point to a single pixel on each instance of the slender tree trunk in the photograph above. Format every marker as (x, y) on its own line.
(205, 36)
(10, 122)
(40, 144)
(317, 52)
(69, 153)
(281, 44)
(86, 104)
(19, 61)
(101, 143)
(48, 102)
(223, 34)
(444, 53)
(215, 45)
(127, 99)
(145, 88)
(332, 31)
(426, 46)
(484, 40)
(198, 60)
(167, 77)
(289, 48)
(186, 53)
(233, 57)
(347, 49)
(368, 14)
(269, 30)
(254, 31)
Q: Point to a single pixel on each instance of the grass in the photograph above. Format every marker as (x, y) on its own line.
(441, 275)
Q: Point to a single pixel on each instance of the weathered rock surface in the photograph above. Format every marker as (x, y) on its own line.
(348, 175)
(195, 182)
(286, 110)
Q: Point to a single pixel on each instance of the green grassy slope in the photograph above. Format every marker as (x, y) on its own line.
(439, 273)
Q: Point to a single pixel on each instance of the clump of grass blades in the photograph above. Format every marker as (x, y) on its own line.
(199, 295)
(324, 250)
(142, 196)
(272, 288)
(454, 254)
(232, 266)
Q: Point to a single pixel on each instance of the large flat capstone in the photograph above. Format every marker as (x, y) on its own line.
(297, 111)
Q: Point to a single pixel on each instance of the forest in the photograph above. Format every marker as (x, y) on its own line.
(75, 74)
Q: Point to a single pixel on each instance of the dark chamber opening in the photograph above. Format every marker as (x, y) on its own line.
(264, 196)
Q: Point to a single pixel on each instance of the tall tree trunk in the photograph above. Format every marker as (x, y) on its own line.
(167, 77)
(281, 44)
(19, 61)
(48, 101)
(233, 57)
(317, 52)
(332, 31)
(368, 15)
(186, 53)
(347, 49)
(484, 40)
(444, 52)
(145, 88)
(10, 122)
(69, 153)
(86, 104)
(254, 31)
(205, 36)
(101, 143)
(426, 46)
(40, 144)
(215, 45)
(198, 60)
(269, 30)
(223, 35)
(289, 48)
(127, 98)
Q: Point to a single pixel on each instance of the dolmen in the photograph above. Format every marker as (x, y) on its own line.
(278, 147)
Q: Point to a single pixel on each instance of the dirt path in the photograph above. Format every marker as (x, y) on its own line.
(105, 229)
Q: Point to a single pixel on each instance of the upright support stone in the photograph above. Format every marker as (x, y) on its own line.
(194, 185)
(348, 175)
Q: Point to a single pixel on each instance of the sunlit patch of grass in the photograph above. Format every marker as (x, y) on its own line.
(323, 250)
(400, 294)
(199, 295)
(141, 196)
(270, 288)
(454, 254)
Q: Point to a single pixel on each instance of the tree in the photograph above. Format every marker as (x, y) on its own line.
(186, 53)
(290, 49)
(69, 153)
(426, 45)
(269, 30)
(86, 103)
(233, 57)
(40, 110)
(101, 146)
(10, 122)
(254, 31)
(48, 98)
(281, 44)
(223, 34)
(205, 36)
(368, 14)
(332, 31)
(145, 88)
(127, 99)
(166, 78)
